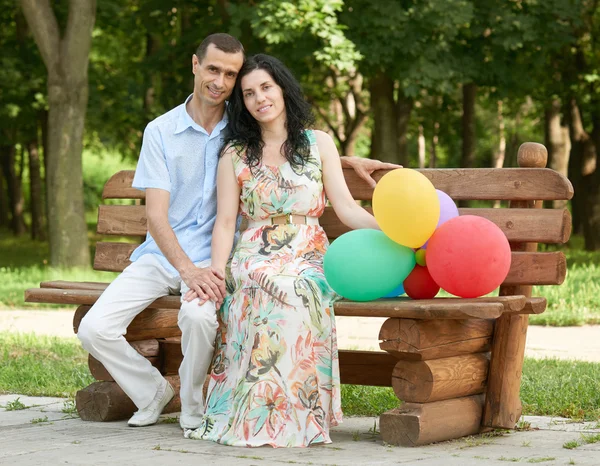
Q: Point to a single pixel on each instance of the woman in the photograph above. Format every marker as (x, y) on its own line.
(275, 378)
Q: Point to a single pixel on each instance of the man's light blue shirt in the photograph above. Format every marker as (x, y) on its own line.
(179, 156)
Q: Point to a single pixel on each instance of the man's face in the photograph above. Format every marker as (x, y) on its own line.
(214, 76)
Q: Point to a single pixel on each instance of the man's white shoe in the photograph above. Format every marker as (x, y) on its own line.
(150, 414)
(189, 421)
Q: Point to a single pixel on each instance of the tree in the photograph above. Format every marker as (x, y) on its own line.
(406, 48)
(66, 58)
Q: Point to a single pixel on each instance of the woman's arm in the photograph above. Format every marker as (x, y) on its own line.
(228, 202)
(336, 189)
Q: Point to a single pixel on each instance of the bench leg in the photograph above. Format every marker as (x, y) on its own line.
(414, 424)
(105, 401)
(441, 375)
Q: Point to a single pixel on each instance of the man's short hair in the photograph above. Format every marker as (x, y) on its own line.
(222, 41)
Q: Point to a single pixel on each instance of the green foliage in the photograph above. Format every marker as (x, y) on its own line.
(410, 41)
(286, 22)
(98, 167)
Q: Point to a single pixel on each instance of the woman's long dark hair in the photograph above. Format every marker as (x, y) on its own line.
(244, 132)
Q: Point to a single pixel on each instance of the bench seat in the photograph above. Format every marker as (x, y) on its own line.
(86, 293)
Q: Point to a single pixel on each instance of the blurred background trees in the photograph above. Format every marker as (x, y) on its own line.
(434, 83)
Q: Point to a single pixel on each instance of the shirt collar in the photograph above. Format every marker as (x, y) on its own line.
(185, 121)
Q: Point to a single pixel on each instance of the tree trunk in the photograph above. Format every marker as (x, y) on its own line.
(468, 125)
(16, 202)
(38, 230)
(383, 137)
(66, 59)
(434, 144)
(66, 215)
(500, 154)
(404, 107)
(348, 145)
(591, 187)
(421, 147)
(43, 122)
(557, 142)
(468, 130)
(4, 217)
(591, 210)
(583, 152)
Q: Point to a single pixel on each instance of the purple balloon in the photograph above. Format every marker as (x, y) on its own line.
(448, 210)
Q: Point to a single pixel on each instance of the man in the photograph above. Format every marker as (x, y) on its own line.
(177, 169)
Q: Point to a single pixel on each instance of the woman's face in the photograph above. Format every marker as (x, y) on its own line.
(263, 97)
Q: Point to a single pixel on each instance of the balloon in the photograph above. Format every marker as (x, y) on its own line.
(397, 292)
(448, 210)
(420, 285)
(468, 256)
(406, 207)
(362, 265)
(421, 257)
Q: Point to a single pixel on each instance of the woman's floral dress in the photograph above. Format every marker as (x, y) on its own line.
(275, 378)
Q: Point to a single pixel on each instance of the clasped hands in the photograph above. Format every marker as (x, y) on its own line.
(206, 284)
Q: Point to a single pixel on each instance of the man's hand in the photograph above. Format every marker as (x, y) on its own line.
(365, 167)
(206, 284)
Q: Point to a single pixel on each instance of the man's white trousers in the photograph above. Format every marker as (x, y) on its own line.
(101, 333)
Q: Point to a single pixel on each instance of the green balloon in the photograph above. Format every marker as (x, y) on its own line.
(363, 265)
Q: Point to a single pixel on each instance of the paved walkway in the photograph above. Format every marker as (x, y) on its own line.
(581, 343)
(45, 434)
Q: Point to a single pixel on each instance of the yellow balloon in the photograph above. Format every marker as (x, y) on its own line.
(406, 207)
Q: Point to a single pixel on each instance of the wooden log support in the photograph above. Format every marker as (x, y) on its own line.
(147, 348)
(171, 355)
(356, 367)
(417, 340)
(414, 424)
(106, 401)
(440, 379)
(502, 402)
(150, 323)
(366, 368)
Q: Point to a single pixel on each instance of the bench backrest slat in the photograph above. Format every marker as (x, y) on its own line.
(527, 268)
(459, 183)
(550, 226)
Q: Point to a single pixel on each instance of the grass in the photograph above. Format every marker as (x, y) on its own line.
(42, 366)
(583, 440)
(24, 264)
(15, 405)
(577, 300)
(561, 388)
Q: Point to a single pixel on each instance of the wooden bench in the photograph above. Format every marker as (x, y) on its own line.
(455, 363)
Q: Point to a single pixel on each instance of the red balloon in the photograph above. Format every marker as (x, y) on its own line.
(468, 256)
(420, 285)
